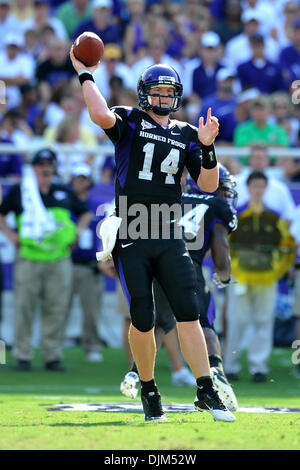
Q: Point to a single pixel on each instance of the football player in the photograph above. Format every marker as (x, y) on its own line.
(151, 152)
(214, 217)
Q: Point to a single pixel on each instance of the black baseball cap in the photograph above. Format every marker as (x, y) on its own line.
(42, 155)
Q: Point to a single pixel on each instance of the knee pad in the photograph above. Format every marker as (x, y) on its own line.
(187, 307)
(142, 313)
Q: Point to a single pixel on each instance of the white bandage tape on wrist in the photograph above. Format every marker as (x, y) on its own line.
(108, 232)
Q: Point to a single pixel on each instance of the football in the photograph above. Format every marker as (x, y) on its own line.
(88, 48)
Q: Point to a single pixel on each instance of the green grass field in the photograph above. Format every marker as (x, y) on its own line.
(26, 423)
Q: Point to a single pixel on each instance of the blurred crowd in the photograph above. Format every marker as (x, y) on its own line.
(239, 57)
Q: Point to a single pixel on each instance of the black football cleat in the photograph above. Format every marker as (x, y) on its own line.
(210, 401)
(55, 366)
(152, 406)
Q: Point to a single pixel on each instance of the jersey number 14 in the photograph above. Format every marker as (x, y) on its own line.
(169, 165)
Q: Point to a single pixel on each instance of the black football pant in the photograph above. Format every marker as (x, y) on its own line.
(164, 312)
(138, 262)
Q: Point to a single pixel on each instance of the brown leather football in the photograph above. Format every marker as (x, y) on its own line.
(88, 48)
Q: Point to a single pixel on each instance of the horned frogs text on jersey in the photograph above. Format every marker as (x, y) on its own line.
(150, 158)
(203, 213)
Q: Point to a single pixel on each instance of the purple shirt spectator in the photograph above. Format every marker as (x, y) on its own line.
(111, 34)
(289, 60)
(263, 75)
(55, 73)
(10, 164)
(204, 81)
(220, 106)
(217, 9)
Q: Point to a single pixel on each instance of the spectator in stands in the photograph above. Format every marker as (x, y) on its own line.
(283, 30)
(86, 280)
(42, 17)
(128, 97)
(180, 32)
(238, 49)
(19, 131)
(32, 44)
(75, 90)
(134, 36)
(116, 87)
(195, 13)
(291, 169)
(108, 171)
(43, 267)
(69, 131)
(155, 54)
(57, 68)
(112, 66)
(265, 11)
(255, 251)
(63, 102)
(224, 100)
(8, 23)
(217, 9)
(257, 129)
(16, 68)
(201, 81)
(289, 58)
(277, 195)
(10, 164)
(101, 23)
(240, 114)
(30, 108)
(22, 9)
(281, 114)
(72, 13)
(231, 25)
(259, 72)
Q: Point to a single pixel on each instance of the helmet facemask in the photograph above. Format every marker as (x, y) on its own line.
(157, 76)
(162, 110)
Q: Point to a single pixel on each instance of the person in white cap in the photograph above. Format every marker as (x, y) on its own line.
(16, 67)
(265, 10)
(238, 49)
(8, 23)
(200, 74)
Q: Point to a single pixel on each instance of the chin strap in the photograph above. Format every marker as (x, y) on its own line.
(108, 232)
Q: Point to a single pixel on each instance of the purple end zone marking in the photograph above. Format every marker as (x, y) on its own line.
(168, 407)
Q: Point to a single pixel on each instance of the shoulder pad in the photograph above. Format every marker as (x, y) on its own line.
(123, 111)
(189, 132)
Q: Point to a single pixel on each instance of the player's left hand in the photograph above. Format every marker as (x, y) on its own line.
(208, 132)
(221, 284)
(108, 268)
(79, 66)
